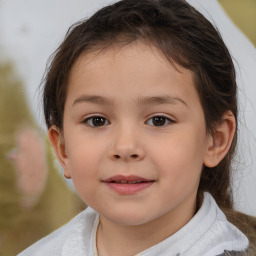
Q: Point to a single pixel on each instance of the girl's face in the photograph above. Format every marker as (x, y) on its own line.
(134, 137)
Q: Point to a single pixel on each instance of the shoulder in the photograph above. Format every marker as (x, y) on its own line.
(220, 236)
(77, 230)
(233, 253)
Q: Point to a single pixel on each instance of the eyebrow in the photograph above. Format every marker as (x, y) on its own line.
(93, 99)
(148, 100)
(158, 100)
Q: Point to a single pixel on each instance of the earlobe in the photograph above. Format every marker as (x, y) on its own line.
(58, 144)
(220, 142)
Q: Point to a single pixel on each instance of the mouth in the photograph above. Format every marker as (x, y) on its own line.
(128, 184)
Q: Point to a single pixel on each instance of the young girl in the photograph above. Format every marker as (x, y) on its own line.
(140, 102)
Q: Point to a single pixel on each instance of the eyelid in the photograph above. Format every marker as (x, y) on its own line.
(87, 118)
(168, 118)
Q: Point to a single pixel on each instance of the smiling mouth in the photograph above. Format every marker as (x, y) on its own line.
(127, 182)
(128, 185)
(132, 179)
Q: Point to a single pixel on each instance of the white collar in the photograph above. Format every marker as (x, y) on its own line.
(207, 233)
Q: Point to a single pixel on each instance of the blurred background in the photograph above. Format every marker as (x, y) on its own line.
(34, 197)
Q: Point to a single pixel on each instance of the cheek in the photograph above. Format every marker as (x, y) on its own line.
(179, 166)
(181, 154)
(83, 164)
(84, 157)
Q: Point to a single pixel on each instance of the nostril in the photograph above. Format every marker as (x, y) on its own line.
(133, 156)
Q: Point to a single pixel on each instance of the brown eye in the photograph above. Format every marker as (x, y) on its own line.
(159, 121)
(96, 121)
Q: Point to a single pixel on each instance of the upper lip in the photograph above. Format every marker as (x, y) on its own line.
(126, 179)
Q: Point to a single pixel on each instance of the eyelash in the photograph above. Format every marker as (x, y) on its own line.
(167, 120)
(90, 119)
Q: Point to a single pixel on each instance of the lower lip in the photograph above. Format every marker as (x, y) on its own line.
(128, 189)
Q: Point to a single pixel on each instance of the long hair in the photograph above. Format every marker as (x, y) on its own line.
(185, 37)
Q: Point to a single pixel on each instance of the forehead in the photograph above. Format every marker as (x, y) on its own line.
(118, 68)
(105, 57)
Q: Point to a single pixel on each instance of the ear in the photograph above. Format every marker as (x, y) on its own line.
(220, 142)
(58, 144)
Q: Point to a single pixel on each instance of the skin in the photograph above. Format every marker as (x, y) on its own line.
(129, 143)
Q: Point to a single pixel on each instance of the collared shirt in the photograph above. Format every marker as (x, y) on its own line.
(208, 233)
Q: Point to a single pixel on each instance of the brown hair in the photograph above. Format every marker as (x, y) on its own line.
(185, 37)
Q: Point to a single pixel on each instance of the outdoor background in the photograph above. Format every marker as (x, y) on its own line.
(34, 197)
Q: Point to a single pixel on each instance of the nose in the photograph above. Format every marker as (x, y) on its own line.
(127, 146)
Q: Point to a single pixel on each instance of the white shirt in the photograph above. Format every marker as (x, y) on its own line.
(208, 233)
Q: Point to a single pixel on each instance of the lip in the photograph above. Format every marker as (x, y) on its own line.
(128, 185)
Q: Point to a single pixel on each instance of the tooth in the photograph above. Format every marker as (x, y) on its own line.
(123, 182)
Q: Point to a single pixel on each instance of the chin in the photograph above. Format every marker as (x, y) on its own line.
(126, 218)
